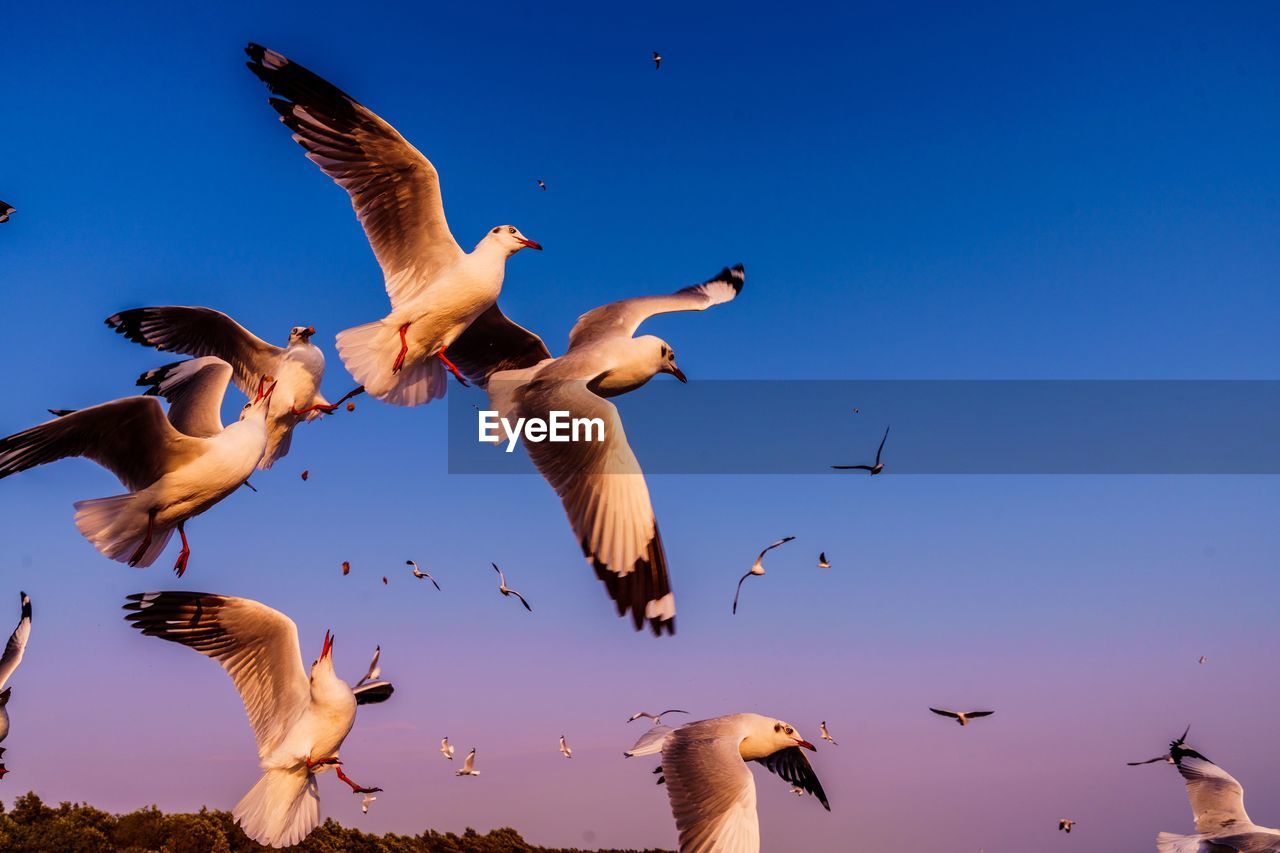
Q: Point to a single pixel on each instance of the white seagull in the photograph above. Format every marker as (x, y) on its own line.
(711, 788)
(657, 60)
(420, 574)
(822, 561)
(599, 481)
(961, 717)
(446, 748)
(656, 718)
(436, 288)
(870, 469)
(506, 590)
(1065, 824)
(826, 735)
(564, 748)
(174, 467)
(13, 652)
(1217, 803)
(468, 765)
(298, 367)
(298, 720)
(757, 568)
(372, 686)
(366, 801)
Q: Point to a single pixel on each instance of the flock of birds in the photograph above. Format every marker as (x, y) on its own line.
(443, 321)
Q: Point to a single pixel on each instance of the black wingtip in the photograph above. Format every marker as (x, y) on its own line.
(26, 605)
(734, 276)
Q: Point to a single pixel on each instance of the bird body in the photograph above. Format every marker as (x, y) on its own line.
(822, 561)
(468, 765)
(13, 653)
(757, 568)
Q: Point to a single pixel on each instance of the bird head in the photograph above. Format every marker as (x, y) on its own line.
(322, 667)
(301, 334)
(509, 238)
(785, 735)
(662, 357)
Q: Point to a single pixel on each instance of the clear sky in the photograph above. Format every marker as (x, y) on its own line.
(1007, 191)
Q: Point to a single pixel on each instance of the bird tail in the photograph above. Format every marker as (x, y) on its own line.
(117, 526)
(1168, 842)
(281, 808)
(370, 351)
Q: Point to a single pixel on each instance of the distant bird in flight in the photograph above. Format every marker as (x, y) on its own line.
(364, 803)
(5, 210)
(468, 765)
(506, 590)
(564, 748)
(757, 568)
(873, 469)
(305, 475)
(1065, 824)
(346, 568)
(174, 466)
(962, 717)
(13, 652)
(420, 574)
(657, 60)
(1217, 803)
(822, 561)
(299, 719)
(656, 718)
(384, 580)
(826, 735)
(542, 185)
(437, 290)
(298, 367)
(371, 685)
(446, 748)
(1203, 658)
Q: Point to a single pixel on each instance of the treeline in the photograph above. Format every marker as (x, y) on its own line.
(30, 826)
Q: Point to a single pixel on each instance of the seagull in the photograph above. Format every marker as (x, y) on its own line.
(374, 669)
(657, 60)
(174, 467)
(505, 590)
(298, 367)
(1203, 658)
(822, 561)
(873, 469)
(962, 717)
(436, 288)
(711, 789)
(5, 210)
(346, 568)
(419, 574)
(305, 475)
(599, 482)
(542, 185)
(446, 748)
(656, 718)
(826, 735)
(468, 765)
(757, 568)
(364, 803)
(13, 652)
(1217, 803)
(564, 748)
(299, 718)
(1065, 824)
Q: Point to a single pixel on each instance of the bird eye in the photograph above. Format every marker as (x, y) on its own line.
(511, 230)
(790, 730)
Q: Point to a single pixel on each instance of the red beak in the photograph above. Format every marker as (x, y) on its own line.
(530, 243)
(807, 745)
(328, 646)
(265, 393)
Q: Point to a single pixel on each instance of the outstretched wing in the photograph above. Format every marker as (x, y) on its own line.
(940, 712)
(794, 767)
(256, 645)
(195, 389)
(394, 189)
(493, 343)
(1217, 799)
(711, 789)
(373, 692)
(783, 541)
(17, 645)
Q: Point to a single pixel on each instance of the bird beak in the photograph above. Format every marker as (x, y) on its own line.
(806, 745)
(678, 373)
(327, 649)
(308, 332)
(530, 243)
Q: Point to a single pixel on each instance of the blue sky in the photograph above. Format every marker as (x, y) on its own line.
(916, 192)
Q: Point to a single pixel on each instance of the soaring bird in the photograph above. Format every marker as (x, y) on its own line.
(657, 60)
(437, 290)
(298, 720)
(599, 481)
(298, 367)
(13, 652)
(822, 561)
(5, 210)
(826, 735)
(1217, 803)
(372, 686)
(506, 590)
(1065, 824)
(420, 574)
(174, 467)
(446, 748)
(655, 718)
(712, 790)
(542, 185)
(961, 717)
(757, 568)
(871, 469)
(468, 765)
(564, 748)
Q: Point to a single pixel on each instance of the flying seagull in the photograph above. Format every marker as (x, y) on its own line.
(656, 718)
(1217, 803)
(826, 735)
(962, 717)
(506, 590)
(346, 568)
(599, 482)
(437, 290)
(372, 684)
(542, 185)
(1065, 824)
(657, 60)
(822, 561)
(446, 748)
(365, 801)
(564, 748)
(873, 469)
(468, 765)
(420, 574)
(299, 718)
(174, 467)
(710, 786)
(757, 568)
(5, 210)
(1203, 658)
(13, 652)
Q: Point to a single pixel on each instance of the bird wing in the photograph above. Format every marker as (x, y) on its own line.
(1148, 761)
(880, 449)
(622, 318)
(469, 762)
(853, 467)
(711, 789)
(256, 645)
(195, 389)
(374, 670)
(502, 579)
(130, 437)
(943, 713)
(607, 500)
(783, 541)
(17, 644)
(650, 743)
(1217, 799)
(739, 591)
(200, 332)
(394, 189)
(522, 601)
(373, 692)
(1247, 842)
(493, 343)
(793, 766)
(975, 714)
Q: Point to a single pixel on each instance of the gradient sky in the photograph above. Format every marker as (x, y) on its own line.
(916, 192)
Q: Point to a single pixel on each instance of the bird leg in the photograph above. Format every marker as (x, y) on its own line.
(355, 789)
(453, 368)
(323, 762)
(146, 540)
(404, 349)
(181, 566)
(327, 408)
